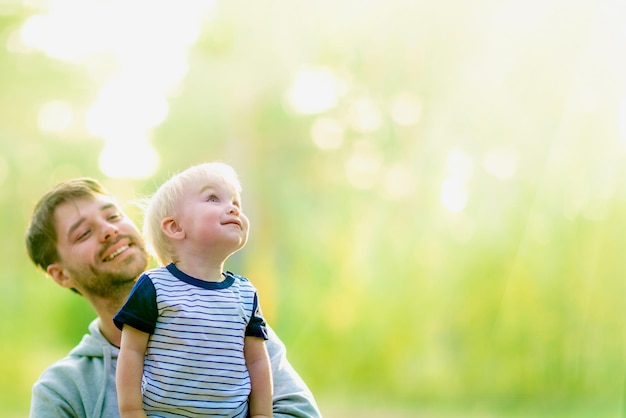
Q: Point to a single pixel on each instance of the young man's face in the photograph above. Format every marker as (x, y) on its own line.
(101, 250)
(211, 216)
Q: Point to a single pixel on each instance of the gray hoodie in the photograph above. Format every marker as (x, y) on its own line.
(83, 383)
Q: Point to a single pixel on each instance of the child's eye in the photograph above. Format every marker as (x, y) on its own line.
(213, 198)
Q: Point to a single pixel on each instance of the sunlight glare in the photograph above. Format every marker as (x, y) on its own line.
(146, 58)
(55, 35)
(132, 159)
(15, 43)
(459, 167)
(453, 195)
(119, 110)
(315, 90)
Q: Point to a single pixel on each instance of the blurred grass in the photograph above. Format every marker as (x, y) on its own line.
(390, 303)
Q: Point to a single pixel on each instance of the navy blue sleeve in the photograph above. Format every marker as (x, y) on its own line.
(140, 310)
(257, 327)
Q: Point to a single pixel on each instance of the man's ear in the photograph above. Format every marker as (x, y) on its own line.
(60, 275)
(172, 229)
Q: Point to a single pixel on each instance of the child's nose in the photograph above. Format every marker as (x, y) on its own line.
(234, 209)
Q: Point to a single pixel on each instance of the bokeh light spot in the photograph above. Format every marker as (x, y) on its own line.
(54, 116)
(364, 116)
(137, 65)
(131, 159)
(398, 181)
(314, 90)
(453, 195)
(327, 133)
(363, 168)
(406, 109)
(459, 165)
(118, 112)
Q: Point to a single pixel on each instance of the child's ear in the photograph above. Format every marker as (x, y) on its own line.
(172, 229)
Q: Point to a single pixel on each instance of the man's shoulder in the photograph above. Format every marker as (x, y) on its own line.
(67, 366)
(70, 374)
(84, 360)
(74, 385)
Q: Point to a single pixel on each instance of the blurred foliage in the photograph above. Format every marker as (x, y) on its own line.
(515, 298)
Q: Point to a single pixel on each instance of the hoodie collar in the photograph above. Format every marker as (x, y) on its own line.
(94, 344)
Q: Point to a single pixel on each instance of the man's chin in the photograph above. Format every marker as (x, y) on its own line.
(129, 267)
(121, 277)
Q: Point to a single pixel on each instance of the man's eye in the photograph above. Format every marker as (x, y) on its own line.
(115, 216)
(83, 235)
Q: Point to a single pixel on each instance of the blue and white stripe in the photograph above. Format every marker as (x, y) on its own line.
(194, 363)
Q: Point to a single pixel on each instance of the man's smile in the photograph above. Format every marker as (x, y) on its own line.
(116, 253)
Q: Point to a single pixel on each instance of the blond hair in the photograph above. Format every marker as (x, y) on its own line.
(163, 203)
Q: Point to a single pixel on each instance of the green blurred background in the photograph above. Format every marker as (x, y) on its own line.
(436, 189)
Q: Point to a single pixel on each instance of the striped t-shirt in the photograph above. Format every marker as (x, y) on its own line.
(194, 364)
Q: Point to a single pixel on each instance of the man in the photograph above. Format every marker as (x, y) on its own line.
(80, 236)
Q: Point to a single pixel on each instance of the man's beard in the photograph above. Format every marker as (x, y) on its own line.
(111, 285)
(115, 285)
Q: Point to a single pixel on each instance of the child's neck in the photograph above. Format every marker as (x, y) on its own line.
(203, 271)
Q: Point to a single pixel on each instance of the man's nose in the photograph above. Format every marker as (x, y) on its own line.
(108, 231)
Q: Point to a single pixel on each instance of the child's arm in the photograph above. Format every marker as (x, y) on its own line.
(129, 372)
(258, 364)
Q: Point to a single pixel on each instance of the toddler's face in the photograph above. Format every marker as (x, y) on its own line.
(210, 213)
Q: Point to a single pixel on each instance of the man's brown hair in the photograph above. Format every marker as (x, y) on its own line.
(41, 237)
